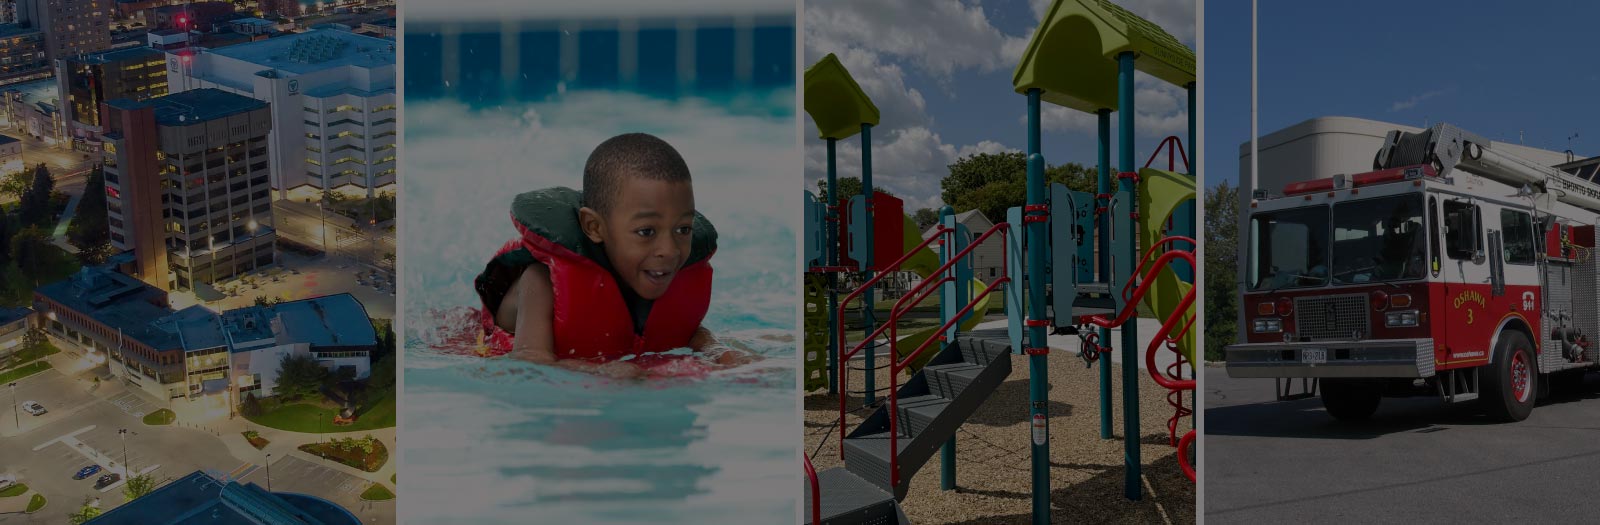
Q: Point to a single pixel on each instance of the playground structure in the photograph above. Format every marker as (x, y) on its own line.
(1069, 268)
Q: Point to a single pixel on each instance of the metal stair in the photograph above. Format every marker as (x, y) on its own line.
(932, 404)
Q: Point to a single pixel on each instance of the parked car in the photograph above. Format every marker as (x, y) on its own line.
(33, 407)
(85, 472)
(107, 480)
(7, 481)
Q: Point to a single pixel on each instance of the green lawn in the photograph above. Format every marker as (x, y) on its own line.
(31, 353)
(160, 417)
(377, 492)
(305, 417)
(15, 490)
(36, 503)
(24, 371)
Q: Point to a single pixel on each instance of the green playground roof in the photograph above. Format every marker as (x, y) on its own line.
(835, 101)
(1073, 56)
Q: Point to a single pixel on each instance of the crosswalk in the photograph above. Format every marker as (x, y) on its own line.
(132, 403)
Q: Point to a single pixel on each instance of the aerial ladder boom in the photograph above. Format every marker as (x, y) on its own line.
(1446, 147)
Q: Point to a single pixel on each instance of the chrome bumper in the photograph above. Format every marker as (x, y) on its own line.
(1387, 358)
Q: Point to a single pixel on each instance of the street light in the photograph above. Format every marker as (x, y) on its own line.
(322, 214)
(127, 469)
(269, 472)
(14, 414)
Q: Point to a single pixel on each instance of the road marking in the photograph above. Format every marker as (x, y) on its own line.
(63, 438)
(125, 477)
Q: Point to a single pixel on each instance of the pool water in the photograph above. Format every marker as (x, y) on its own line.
(490, 440)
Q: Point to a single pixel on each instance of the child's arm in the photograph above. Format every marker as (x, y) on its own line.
(535, 336)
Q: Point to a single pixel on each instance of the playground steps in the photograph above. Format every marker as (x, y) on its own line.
(850, 500)
(932, 404)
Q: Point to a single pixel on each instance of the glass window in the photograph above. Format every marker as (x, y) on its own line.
(1289, 248)
(1377, 240)
(1517, 228)
(1460, 229)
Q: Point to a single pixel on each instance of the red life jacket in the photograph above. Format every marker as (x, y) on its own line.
(591, 319)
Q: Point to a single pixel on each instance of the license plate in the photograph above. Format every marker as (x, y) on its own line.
(1314, 356)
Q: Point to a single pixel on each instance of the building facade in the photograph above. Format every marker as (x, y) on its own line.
(13, 330)
(112, 316)
(71, 27)
(87, 81)
(22, 54)
(187, 186)
(10, 155)
(333, 104)
(35, 106)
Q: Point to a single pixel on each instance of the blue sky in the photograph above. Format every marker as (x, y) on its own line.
(1496, 69)
(940, 74)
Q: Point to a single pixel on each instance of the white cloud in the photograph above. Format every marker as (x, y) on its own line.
(1160, 109)
(907, 162)
(938, 37)
(1414, 100)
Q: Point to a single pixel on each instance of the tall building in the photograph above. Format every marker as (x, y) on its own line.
(86, 81)
(71, 27)
(333, 105)
(187, 185)
(22, 54)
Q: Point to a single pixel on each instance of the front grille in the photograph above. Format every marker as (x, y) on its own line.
(1331, 318)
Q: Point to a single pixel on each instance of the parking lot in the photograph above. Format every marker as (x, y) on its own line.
(1417, 459)
(59, 394)
(302, 476)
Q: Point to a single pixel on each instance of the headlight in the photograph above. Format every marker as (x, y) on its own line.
(1268, 325)
(1401, 318)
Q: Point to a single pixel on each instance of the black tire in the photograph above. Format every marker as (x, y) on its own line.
(1350, 399)
(1512, 381)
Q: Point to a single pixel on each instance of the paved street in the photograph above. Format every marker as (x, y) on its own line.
(306, 476)
(1417, 461)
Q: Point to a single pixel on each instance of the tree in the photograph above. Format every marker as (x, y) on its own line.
(994, 182)
(5, 238)
(16, 183)
(90, 510)
(90, 228)
(925, 218)
(848, 187)
(299, 376)
(1221, 267)
(383, 373)
(35, 207)
(250, 406)
(138, 486)
(28, 249)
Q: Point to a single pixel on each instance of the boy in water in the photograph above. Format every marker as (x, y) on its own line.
(620, 270)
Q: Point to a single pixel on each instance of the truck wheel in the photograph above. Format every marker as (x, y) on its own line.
(1512, 383)
(1350, 399)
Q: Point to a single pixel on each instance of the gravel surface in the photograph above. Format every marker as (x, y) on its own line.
(992, 451)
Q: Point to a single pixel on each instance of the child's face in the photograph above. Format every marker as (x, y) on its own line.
(647, 232)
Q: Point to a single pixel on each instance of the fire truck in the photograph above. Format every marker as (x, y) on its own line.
(1452, 269)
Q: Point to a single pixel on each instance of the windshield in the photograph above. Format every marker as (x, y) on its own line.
(1289, 248)
(1377, 240)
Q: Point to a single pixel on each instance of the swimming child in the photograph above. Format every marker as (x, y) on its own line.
(619, 270)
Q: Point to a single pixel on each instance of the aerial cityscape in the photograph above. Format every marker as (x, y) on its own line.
(197, 286)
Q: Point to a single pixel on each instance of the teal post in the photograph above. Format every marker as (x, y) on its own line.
(1104, 232)
(1193, 231)
(948, 307)
(1038, 374)
(1183, 219)
(868, 318)
(1130, 332)
(830, 235)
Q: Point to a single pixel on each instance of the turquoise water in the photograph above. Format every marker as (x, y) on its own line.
(488, 440)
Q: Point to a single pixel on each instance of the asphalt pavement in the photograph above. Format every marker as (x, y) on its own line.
(1418, 460)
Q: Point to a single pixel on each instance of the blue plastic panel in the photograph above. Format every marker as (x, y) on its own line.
(814, 217)
(1122, 265)
(1016, 309)
(1071, 247)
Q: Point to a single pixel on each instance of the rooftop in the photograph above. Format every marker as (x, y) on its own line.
(202, 498)
(315, 50)
(195, 105)
(117, 301)
(11, 315)
(42, 90)
(7, 139)
(121, 55)
(331, 320)
(10, 30)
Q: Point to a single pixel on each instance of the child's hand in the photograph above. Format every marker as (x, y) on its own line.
(620, 370)
(730, 357)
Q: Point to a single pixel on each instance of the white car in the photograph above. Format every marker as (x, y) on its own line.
(33, 407)
(7, 481)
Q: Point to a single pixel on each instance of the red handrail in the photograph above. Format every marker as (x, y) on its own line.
(1183, 455)
(816, 492)
(1173, 144)
(844, 355)
(1146, 259)
(897, 363)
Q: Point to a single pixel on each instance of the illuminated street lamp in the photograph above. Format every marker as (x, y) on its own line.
(14, 414)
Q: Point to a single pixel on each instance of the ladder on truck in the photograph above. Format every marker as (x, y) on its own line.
(1445, 147)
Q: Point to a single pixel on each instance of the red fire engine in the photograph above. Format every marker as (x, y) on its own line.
(1452, 267)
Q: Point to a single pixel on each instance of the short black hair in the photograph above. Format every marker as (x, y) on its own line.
(631, 154)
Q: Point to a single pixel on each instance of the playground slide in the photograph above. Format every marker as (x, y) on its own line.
(923, 263)
(1162, 192)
